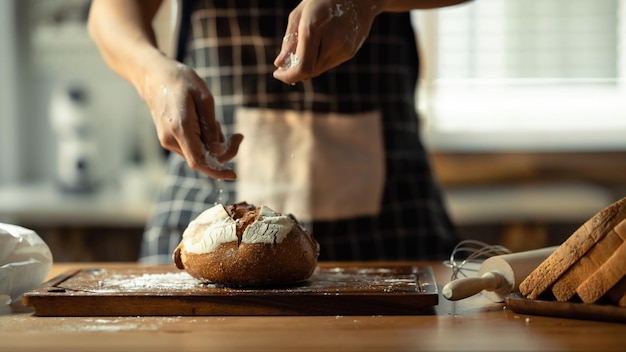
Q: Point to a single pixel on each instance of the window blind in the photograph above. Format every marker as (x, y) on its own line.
(519, 71)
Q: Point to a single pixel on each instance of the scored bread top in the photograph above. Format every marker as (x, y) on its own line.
(215, 226)
(576, 246)
(270, 227)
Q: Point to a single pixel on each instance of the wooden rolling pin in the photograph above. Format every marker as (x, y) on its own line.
(498, 275)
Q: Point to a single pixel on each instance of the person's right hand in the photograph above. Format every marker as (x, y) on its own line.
(322, 34)
(182, 109)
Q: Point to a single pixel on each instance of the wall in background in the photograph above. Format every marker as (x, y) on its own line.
(9, 166)
(47, 50)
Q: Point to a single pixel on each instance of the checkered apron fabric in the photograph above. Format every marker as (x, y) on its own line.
(232, 44)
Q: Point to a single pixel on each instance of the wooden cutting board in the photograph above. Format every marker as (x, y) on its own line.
(574, 310)
(143, 291)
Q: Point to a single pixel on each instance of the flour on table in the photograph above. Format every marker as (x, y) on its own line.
(132, 283)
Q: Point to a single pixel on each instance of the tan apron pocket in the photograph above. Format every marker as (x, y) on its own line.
(315, 166)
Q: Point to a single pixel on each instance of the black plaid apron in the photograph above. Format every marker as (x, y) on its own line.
(232, 44)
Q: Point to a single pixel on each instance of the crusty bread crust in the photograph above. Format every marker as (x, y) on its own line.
(240, 263)
(575, 247)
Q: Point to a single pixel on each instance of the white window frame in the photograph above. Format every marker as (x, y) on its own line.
(513, 115)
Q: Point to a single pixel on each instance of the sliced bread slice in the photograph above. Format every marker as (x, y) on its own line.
(607, 276)
(617, 294)
(565, 287)
(570, 251)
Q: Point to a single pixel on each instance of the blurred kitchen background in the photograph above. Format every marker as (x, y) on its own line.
(523, 105)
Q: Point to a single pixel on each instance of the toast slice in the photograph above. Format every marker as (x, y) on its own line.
(607, 276)
(574, 248)
(617, 294)
(565, 287)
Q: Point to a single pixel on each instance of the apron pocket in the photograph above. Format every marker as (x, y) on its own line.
(315, 166)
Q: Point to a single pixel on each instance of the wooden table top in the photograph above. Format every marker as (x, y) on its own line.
(475, 324)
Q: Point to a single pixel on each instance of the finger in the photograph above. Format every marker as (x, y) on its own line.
(220, 134)
(290, 40)
(217, 147)
(326, 63)
(288, 48)
(205, 110)
(189, 137)
(215, 167)
(200, 132)
(211, 166)
(232, 148)
(308, 51)
(303, 61)
(218, 171)
(298, 64)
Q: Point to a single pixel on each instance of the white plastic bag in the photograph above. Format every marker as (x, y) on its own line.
(25, 260)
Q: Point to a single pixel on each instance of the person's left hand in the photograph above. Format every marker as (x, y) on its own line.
(322, 34)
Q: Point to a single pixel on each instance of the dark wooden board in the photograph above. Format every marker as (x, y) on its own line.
(574, 310)
(143, 291)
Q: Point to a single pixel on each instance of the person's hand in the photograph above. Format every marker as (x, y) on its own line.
(182, 109)
(322, 34)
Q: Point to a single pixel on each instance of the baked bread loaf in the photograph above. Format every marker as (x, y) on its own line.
(241, 244)
(590, 263)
